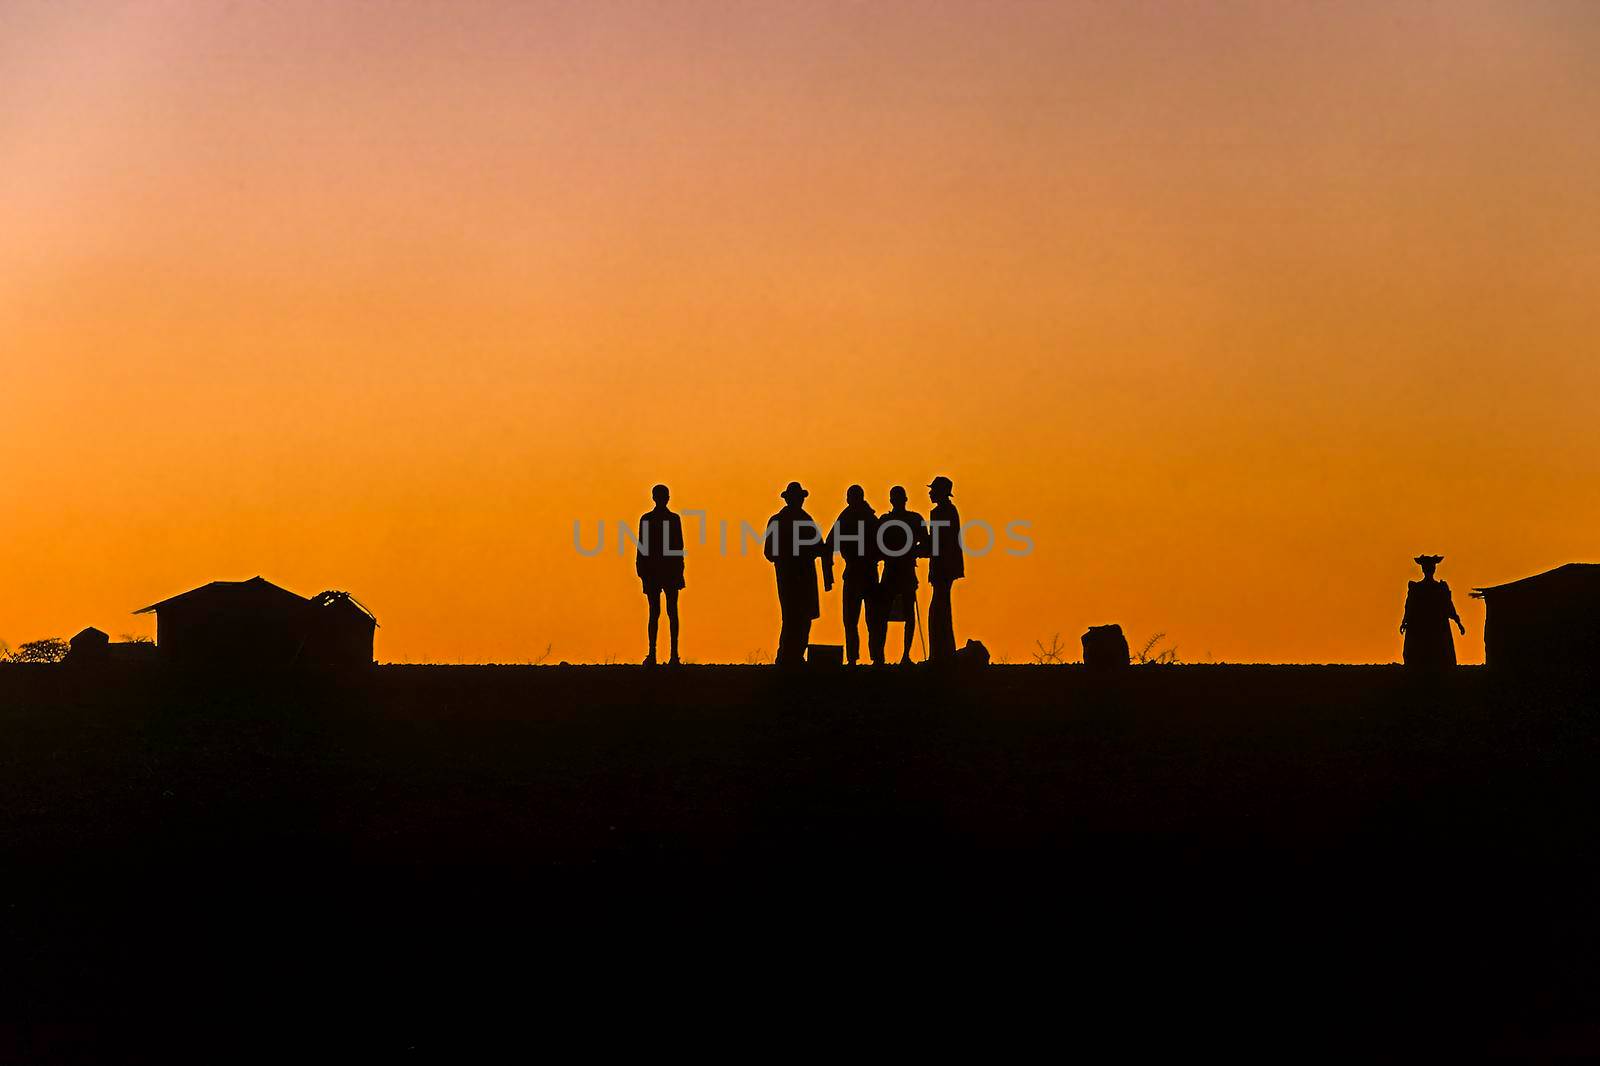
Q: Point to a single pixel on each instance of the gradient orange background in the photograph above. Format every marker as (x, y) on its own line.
(1241, 305)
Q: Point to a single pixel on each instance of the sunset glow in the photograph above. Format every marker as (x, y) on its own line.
(1241, 306)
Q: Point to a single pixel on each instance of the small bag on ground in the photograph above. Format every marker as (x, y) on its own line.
(1105, 648)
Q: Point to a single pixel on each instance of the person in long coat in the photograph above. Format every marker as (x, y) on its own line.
(658, 560)
(853, 539)
(946, 566)
(1426, 625)
(794, 543)
(902, 539)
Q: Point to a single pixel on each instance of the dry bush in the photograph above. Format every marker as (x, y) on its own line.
(1150, 656)
(1053, 655)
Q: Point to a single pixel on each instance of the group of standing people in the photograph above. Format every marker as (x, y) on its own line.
(878, 555)
(864, 540)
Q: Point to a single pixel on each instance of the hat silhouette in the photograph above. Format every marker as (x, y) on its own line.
(794, 493)
(942, 485)
(1428, 560)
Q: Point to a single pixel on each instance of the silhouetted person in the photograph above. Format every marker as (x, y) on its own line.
(902, 538)
(1429, 612)
(793, 544)
(853, 538)
(946, 566)
(659, 564)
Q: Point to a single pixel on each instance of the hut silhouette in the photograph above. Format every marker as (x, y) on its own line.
(1545, 623)
(92, 647)
(255, 623)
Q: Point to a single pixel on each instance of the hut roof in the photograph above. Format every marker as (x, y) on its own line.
(258, 588)
(1562, 576)
(334, 598)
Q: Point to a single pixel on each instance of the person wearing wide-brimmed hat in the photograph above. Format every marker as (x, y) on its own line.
(793, 544)
(946, 565)
(1429, 612)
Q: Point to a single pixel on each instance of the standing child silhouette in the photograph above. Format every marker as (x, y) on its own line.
(658, 561)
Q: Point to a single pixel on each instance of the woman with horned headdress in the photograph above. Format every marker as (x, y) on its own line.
(1429, 612)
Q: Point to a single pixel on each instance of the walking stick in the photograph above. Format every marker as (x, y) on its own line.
(916, 612)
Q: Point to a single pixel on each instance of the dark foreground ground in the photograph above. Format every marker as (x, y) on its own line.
(435, 859)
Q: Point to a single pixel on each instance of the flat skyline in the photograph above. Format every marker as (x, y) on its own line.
(1240, 306)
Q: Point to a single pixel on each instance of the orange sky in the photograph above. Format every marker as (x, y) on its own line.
(1240, 305)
